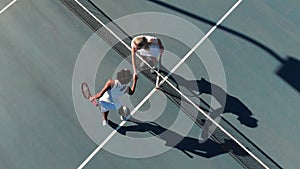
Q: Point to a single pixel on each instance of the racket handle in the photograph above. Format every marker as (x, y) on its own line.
(95, 103)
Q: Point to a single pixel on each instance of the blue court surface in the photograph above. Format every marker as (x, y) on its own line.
(234, 62)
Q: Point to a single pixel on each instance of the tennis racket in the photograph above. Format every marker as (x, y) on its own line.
(86, 92)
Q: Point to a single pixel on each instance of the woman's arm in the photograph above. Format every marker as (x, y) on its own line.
(132, 89)
(106, 87)
(160, 44)
(133, 51)
(161, 50)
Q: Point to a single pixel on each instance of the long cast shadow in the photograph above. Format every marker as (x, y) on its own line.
(229, 103)
(187, 145)
(290, 69)
(212, 23)
(290, 72)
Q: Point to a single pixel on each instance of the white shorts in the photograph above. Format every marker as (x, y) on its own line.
(107, 106)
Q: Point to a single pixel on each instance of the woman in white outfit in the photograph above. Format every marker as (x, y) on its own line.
(109, 96)
(146, 46)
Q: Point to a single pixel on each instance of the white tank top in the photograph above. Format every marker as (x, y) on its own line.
(154, 48)
(113, 95)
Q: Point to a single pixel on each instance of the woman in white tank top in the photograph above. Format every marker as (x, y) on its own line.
(146, 46)
(109, 96)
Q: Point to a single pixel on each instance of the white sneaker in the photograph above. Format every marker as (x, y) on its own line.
(123, 118)
(104, 123)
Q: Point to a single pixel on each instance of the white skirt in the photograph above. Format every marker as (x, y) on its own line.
(154, 51)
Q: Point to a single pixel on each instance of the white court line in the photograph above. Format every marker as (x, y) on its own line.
(194, 105)
(7, 6)
(107, 28)
(115, 131)
(205, 37)
(165, 79)
(219, 126)
(89, 12)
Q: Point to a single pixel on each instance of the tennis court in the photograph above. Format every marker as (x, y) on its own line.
(238, 59)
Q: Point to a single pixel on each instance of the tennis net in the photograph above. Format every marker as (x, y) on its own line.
(94, 17)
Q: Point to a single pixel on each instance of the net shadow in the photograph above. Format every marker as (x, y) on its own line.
(218, 136)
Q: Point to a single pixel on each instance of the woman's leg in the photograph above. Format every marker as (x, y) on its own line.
(105, 114)
(142, 64)
(154, 61)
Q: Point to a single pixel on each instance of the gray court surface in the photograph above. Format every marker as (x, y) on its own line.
(258, 46)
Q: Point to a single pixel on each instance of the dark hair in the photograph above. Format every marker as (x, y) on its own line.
(124, 76)
(141, 42)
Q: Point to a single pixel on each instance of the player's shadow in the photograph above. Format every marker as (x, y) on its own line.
(229, 103)
(187, 145)
(290, 68)
(289, 71)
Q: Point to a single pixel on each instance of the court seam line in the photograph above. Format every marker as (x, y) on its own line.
(165, 79)
(7, 6)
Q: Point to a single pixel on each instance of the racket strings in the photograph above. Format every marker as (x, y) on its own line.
(85, 91)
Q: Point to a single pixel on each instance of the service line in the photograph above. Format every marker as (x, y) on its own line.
(7, 6)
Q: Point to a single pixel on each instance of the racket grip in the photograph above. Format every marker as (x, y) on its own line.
(95, 103)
